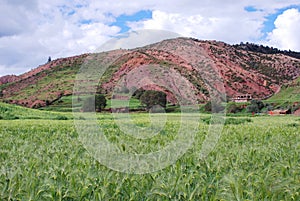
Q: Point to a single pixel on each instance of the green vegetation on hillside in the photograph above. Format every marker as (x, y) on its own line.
(287, 94)
(266, 49)
(47, 85)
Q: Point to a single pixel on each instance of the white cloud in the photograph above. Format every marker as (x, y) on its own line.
(227, 29)
(286, 32)
(136, 39)
(48, 31)
(32, 30)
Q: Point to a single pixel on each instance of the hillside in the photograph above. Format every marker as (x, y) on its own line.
(266, 49)
(289, 92)
(242, 71)
(43, 85)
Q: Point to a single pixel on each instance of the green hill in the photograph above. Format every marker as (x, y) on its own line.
(288, 93)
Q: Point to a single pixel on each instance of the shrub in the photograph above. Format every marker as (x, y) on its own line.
(61, 118)
(255, 106)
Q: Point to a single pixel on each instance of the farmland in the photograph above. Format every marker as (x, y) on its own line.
(41, 158)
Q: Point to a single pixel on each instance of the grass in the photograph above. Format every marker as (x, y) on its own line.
(11, 112)
(42, 159)
(64, 104)
(287, 93)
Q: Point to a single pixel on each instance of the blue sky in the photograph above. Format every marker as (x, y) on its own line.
(122, 20)
(33, 30)
(270, 19)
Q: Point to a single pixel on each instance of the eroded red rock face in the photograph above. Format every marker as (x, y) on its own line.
(8, 78)
(241, 71)
(200, 65)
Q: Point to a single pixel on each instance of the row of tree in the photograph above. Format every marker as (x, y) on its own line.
(150, 99)
(266, 49)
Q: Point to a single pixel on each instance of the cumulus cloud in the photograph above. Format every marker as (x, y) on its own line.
(32, 30)
(29, 37)
(136, 39)
(286, 32)
(227, 29)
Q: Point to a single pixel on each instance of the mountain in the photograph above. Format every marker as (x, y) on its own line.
(242, 71)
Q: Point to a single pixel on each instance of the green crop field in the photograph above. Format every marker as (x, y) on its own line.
(42, 158)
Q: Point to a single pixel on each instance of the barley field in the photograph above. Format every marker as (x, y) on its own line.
(256, 158)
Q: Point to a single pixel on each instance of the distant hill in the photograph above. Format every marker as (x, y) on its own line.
(244, 69)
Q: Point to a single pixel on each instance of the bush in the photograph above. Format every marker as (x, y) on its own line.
(253, 109)
(255, 106)
(61, 118)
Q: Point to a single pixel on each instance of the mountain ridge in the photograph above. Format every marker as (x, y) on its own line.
(242, 70)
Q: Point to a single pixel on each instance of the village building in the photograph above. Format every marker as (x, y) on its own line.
(280, 112)
(241, 98)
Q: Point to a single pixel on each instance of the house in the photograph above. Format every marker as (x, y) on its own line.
(241, 98)
(280, 112)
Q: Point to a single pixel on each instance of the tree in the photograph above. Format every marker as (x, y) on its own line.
(94, 103)
(100, 102)
(255, 106)
(153, 98)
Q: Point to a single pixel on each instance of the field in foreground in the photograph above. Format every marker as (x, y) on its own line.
(256, 159)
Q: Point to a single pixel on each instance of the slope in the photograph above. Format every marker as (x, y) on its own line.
(43, 85)
(289, 93)
(240, 70)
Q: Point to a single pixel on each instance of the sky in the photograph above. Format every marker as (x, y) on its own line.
(33, 30)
